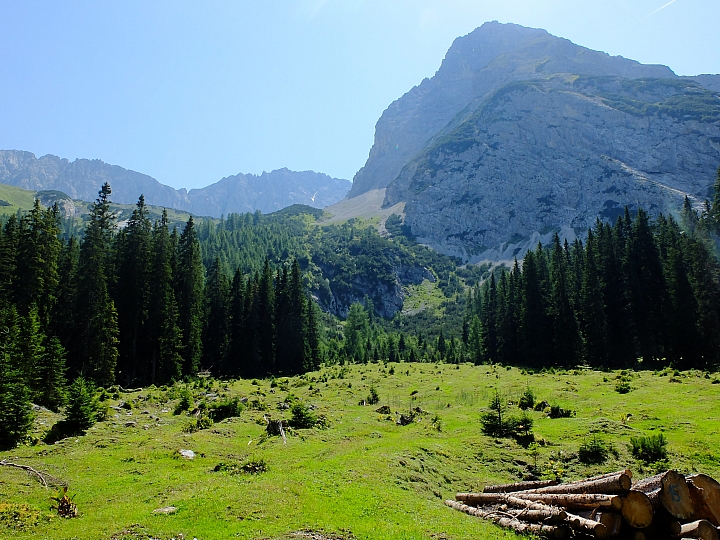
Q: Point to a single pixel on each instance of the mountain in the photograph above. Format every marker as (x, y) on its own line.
(82, 178)
(521, 134)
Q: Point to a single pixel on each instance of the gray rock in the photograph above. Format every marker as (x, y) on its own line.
(476, 66)
(60, 180)
(187, 454)
(553, 156)
(166, 510)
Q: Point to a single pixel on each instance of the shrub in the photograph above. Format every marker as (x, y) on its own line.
(226, 409)
(623, 387)
(186, 401)
(81, 410)
(649, 449)
(496, 423)
(373, 398)
(302, 417)
(527, 400)
(204, 422)
(593, 451)
(556, 411)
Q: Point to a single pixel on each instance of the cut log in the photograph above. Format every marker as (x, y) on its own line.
(614, 483)
(701, 528)
(549, 531)
(670, 490)
(551, 515)
(519, 486)
(611, 520)
(637, 509)
(589, 526)
(705, 496)
(569, 500)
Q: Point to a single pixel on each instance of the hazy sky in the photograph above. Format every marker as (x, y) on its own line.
(190, 92)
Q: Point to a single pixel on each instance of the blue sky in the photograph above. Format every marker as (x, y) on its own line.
(190, 92)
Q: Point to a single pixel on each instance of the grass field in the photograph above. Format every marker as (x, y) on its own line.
(361, 477)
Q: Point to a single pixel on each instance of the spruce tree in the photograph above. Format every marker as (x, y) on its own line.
(15, 399)
(81, 410)
(217, 307)
(166, 336)
(189, 286)
(592, 309)
(96, 314)
(132, 292)
(566, 338)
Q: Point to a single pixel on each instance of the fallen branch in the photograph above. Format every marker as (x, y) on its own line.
(33, 472)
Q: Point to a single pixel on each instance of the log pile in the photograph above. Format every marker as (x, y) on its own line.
(665, 506)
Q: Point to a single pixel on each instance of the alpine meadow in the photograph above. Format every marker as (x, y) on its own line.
(512, 311)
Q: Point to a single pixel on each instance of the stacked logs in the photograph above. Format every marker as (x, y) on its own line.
(665, 506)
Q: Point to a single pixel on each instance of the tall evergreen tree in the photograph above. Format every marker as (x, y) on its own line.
(96, 314)
(133, 248)
(217, 307)
(166, 336)
(566, 338)
(190, 285)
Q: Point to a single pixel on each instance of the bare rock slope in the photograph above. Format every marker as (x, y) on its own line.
(521, 134)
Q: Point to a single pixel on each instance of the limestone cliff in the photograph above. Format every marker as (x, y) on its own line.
(476, 66)
(554, 154)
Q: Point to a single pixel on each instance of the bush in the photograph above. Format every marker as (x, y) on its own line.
(374, 397)
(203, 422)
(593, 452)
(302, 417)
(649, 449)
(186, 401)
(527, 400)
(556, 411)
(82, 407)
(226, 409)
(496, 423)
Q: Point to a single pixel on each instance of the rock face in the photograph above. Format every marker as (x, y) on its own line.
(268, 192)
(554, 155)
(521, 134)
(475, 66)
(82, 178)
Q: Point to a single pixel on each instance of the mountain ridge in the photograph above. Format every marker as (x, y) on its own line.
(544, 138)
(240, 193)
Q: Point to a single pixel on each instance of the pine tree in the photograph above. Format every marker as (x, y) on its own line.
(236, 360)
(166, 336)
(217, 306)
(592, 309)
(8, 260)
(15, 401)
(566, 338)
(96, 313)
(190, 285)
(133, 248)
(51, 375)
(63, 320)
(266, 319)
(646, 290)
(535, 328)
(81, 410)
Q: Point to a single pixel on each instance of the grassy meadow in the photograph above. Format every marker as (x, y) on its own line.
(363, 476)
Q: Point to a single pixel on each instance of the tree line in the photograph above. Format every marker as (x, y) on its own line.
(637, 290)
(133, 306)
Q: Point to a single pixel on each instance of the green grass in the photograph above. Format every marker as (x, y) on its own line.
(19, 199)
(363, 475)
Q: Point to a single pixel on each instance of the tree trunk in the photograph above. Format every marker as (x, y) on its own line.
(619, 482)
(589, 526)
(637, 509)
(705, 496)
(611, 520)
(549, 531)
(702, 529)
(570, 500)
(670, 490)
(519, 486)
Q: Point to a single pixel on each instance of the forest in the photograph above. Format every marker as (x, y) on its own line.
(145, 305)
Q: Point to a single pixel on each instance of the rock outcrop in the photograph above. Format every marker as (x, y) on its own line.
(521, 134)
(476, 66)
(554, 155)
(82, 178)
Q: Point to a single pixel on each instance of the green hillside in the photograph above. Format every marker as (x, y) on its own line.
(362, 476)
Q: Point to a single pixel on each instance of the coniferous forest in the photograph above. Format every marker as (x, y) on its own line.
(142, 304)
